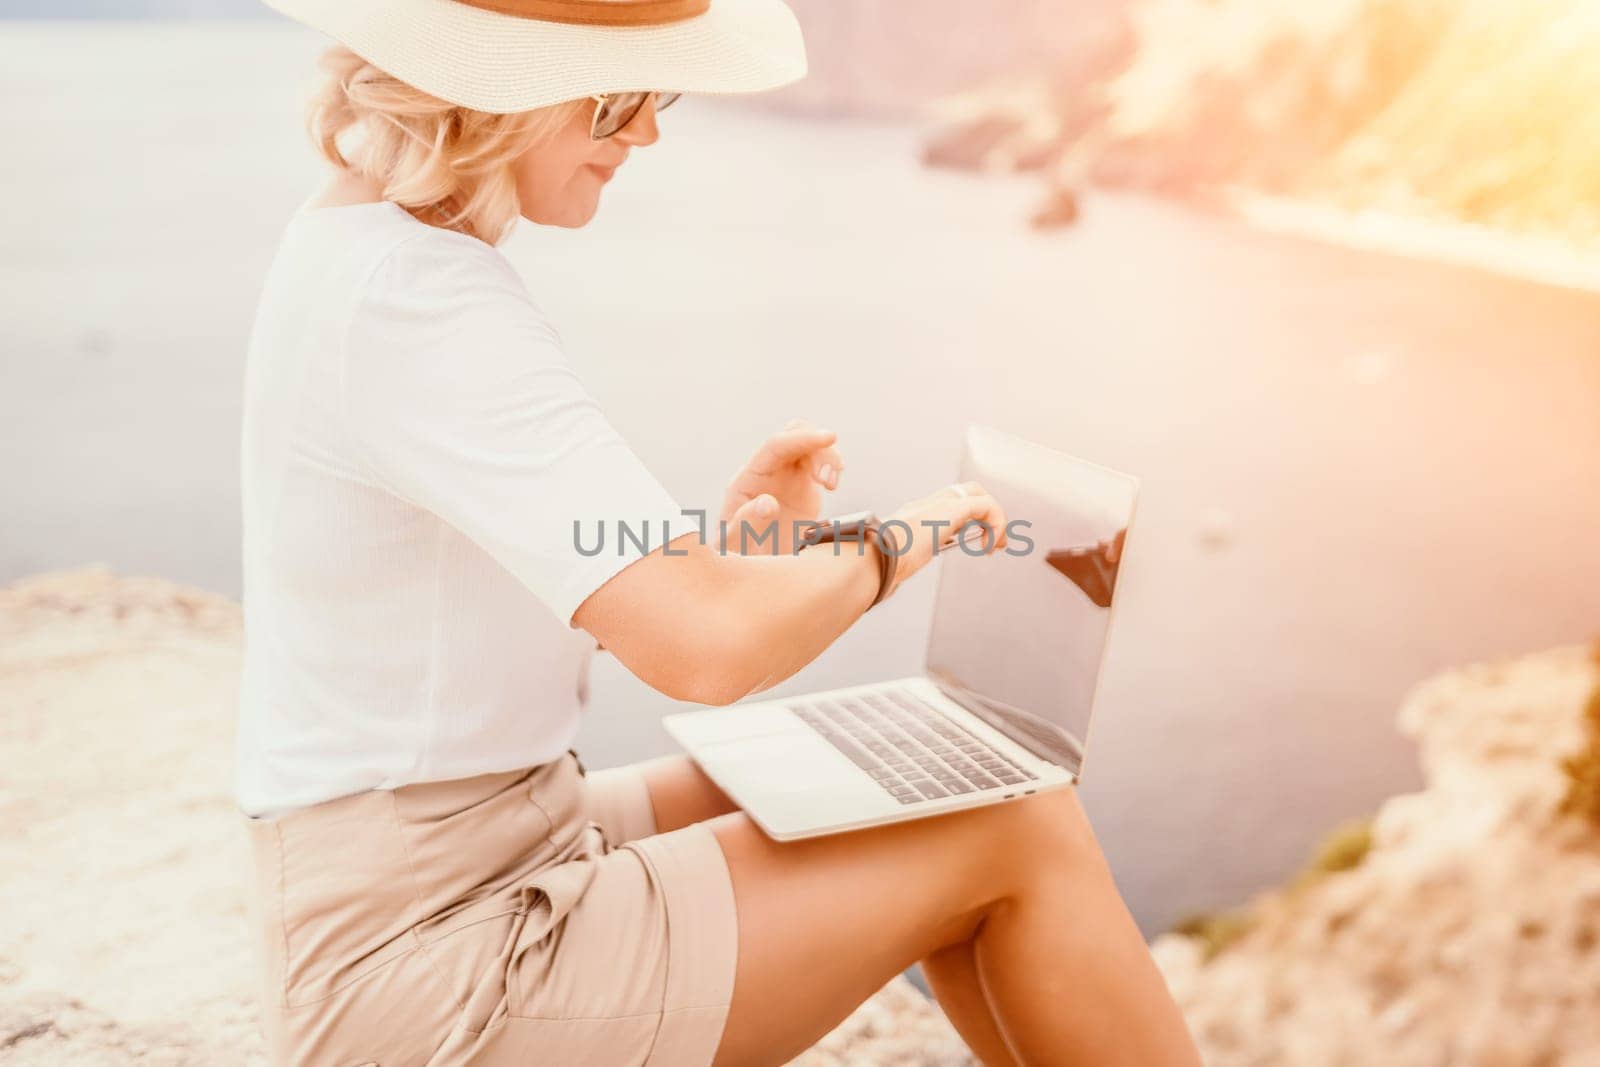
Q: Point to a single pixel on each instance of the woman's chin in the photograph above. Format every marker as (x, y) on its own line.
(572, 218)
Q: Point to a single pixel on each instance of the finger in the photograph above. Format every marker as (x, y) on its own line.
(970, 531)
(962, 535)
(973, 503)
(742, 493)
(826, 463)
(787, 446)
(734, 498)
(758, 512)
(986, 509)
(996, 517)
(752, 526)
(763, 506)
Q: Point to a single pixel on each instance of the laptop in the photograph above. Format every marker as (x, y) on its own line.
(1001, 708)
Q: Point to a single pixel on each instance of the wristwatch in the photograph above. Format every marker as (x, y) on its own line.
(860, 526)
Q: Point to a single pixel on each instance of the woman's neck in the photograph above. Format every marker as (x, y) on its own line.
(347, 187)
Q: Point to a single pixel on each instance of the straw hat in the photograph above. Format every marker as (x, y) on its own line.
(516, 55)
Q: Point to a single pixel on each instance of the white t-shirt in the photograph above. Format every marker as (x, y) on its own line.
(416, 452)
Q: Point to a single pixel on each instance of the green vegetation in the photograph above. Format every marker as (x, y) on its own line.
(1583, 767)
(1343, 849)
(1217, 930)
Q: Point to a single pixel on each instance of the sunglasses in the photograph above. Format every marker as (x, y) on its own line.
(616, 110)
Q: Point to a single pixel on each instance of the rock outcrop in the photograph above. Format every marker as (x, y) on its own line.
(1471, 111)
(1468, 935)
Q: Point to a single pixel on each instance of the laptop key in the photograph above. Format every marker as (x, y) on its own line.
(856, 754)
(907, 747)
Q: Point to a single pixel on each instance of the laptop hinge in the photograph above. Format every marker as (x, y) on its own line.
(970, 701)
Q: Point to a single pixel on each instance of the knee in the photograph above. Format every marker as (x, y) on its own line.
(1002, 852)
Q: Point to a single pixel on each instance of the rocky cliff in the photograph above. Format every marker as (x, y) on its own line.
(1465, 934)
(1462, 111)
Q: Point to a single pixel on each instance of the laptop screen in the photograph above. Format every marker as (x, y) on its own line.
(1019, 636)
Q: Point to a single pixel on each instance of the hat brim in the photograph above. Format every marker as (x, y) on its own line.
(501, 63)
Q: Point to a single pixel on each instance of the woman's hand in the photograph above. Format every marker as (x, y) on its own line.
(781, 485)
(939, 520)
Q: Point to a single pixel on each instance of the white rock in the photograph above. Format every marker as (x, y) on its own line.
(1469, 934)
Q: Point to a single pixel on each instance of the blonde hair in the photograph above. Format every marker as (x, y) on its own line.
(449, 166)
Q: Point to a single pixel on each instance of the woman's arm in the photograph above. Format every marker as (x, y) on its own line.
(460, 401)
(711, 628)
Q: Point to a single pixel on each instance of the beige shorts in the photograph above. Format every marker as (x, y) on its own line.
(531, 917)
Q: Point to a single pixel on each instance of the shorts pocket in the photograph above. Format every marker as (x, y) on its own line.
(344, 895)
(396, 1014)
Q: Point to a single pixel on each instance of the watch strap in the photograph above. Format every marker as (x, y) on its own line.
(888, 559)
(861, 526)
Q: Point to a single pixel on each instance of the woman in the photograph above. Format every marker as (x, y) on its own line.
(438, 881)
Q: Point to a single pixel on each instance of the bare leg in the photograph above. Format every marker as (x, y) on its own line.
(952, 973)
(823, 923)
(681, 794)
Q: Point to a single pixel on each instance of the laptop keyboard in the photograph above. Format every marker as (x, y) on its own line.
(911, 751)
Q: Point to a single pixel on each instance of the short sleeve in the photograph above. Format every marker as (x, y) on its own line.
(459, 398)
